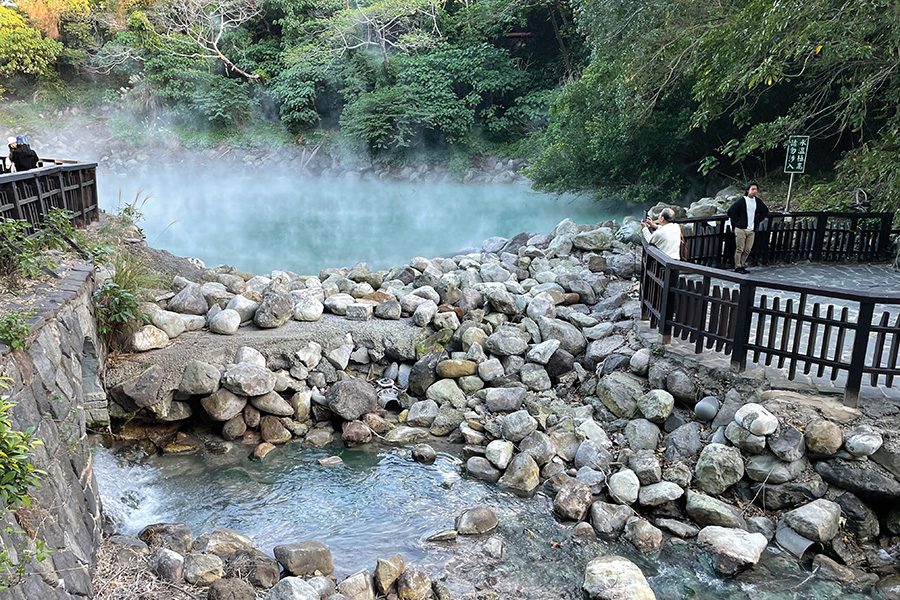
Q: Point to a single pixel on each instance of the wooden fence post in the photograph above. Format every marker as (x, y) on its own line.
(858, 358)
(665, 301)
(742, 326)
(884, 235)
(819, 239)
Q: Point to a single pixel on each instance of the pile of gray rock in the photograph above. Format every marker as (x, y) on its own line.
(230, 567)
(532, 358)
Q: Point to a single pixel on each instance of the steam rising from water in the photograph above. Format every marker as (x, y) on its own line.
(259, 221)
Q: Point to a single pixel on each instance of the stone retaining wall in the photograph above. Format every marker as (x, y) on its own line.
(58, 391)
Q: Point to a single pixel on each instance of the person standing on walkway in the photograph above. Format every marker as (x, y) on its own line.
(746, 215)
(666, 233)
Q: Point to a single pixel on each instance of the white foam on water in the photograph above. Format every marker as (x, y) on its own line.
(128, 492)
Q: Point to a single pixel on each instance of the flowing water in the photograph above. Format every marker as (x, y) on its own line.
(380, 502)
(284, 221)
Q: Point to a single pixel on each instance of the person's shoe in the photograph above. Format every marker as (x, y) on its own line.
(742, 271)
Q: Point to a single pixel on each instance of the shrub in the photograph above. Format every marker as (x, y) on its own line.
(14, 329)
(117, 308)
(17, 473)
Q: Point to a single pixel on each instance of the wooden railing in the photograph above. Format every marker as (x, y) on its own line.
(817, 330)
(822, 236)
(62, 184)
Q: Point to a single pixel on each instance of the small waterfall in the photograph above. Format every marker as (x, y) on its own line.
(128, 492)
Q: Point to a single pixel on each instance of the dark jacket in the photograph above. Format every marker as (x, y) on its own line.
(738, 214)
(23, 157)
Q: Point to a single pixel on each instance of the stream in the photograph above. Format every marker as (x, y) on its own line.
(380, 502)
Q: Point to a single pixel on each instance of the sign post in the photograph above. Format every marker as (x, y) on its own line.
(795, 161)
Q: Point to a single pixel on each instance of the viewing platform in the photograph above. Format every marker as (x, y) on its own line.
(821, 305)
(65, 184)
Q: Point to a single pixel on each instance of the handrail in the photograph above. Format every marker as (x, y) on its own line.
(787, 326)
(31, 194)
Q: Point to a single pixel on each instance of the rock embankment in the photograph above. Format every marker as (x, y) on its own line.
(530, 354)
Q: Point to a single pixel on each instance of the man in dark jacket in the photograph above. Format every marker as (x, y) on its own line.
(746, 215)
(22, 156)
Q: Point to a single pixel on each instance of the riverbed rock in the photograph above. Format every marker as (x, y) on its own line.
(355, 433)
(225, 322)
(594, 240)
(168, 565)
(744, 439)
(273, 431)
(223, 405)
(866, 479)
(656, 405)
(618, 392)
(476, 521)
(273, 404)
(819, 520)
(569, 336)
(148, 338)
(517, 425)
(706, 510)
(248, 379)
(522, 475)
(231, 589)
(732, 550)
(424, 453)
(659, 493)
(351, 398)
(453, 369)
(414, 585)
(615, 578)
(202, 569)
(787, 444)
(243, 306)
(539, 445)
(446, 391)
(504, 399)
(499, 452)
(481, 468)
(424, 373)
(573, 501)
(168, 321)
(823, 437)
(642, 435)
(305, 559)
(199, 378)
(358, 586)
(308, 309)
(609, 519)
(388, 571)
(189, 301)
(293, 588)
(422, 414)
(624, 486)
(769, 469)
(863, 440)
(718, 468)
(756, 419)
(507, 341)
(643, 535)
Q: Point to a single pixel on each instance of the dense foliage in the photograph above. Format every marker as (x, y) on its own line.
(638, 98)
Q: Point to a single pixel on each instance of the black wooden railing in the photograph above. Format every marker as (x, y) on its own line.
(817, 330)
(792, 237)
(62, 184)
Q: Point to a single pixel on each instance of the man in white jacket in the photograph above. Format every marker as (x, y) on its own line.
(666, 235)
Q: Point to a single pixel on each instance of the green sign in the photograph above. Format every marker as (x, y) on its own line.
(795, 158)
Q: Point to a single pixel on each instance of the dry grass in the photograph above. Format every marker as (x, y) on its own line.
(116, 578)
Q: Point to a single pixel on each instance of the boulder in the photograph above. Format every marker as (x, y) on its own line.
(743, 439)
(787, 444)
(569, 336)
(517, 425)
(481, 468)
(309, 309)
(273, 404)
(243, 306)
(642, 435)
(170, 322)
(866, 479)
(199, 378)
(424, 373)
(624, 486)
(305, 559)
(756, 419)
(718, 468)
(706, 510)
(615, 578)
(388, 571)
(293, 588)
(573, 501)
(522, 475)
(414, 585)
(452, 369)
(225, 322)
(767, 468)
(863, 440)
(499, 452)
(355, 433)
(202, 569)
(659, 493)
(446, 391)
(618, 392)
(272, 430)
(248, 379)
(823, 437)
(358, 586)
(609, 519)
(424, 453)
(594, 240)
(223, 405)
(732, 550)
(504, 399)
(189, 301)
(507, 341)
(656, 405)
(476, 521)
(148, 338)
(168, 565)
(351, 398)
(820, 520)
(230, 589)
(683, 443)
(643, 535)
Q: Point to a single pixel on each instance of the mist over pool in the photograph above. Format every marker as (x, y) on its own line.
(258, 221)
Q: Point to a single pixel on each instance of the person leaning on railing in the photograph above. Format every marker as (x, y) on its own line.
(666, 233)
(746, 216)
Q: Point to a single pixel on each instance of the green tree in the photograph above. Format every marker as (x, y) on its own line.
(24, 51)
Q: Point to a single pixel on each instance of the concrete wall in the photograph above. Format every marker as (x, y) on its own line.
(58, 391)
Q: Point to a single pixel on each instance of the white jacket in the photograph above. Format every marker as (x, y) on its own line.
(667, 238)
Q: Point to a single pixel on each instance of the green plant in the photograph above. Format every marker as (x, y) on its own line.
(14, 329)
(132, 212)
(132, 274)
(117, 308)
(17, 473)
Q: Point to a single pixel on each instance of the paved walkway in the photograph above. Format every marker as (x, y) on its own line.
(880, 279)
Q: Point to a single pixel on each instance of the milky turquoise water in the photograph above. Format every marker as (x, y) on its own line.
(259, 221)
